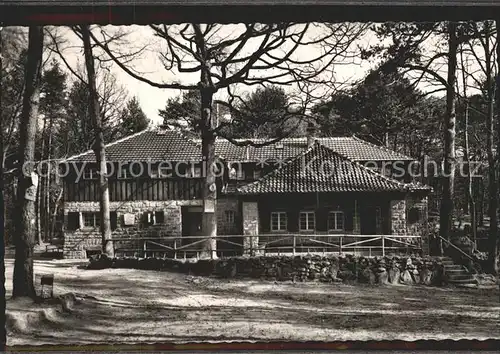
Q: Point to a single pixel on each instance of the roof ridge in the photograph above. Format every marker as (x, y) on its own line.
(379, 174)
(198, 144)
(285, 164)
(381, 147)
(125, 138)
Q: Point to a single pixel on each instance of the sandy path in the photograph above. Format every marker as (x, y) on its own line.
(133, 305)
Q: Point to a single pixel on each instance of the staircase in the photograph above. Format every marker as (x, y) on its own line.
(457, 275)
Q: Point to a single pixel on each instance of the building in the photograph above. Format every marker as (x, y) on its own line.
(302, 186)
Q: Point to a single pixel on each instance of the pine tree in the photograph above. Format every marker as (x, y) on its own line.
(133, 119)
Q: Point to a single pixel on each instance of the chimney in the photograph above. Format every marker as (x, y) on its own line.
(310, 132)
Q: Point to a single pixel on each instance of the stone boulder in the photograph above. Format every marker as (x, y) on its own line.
(394, 275)
(407, 278)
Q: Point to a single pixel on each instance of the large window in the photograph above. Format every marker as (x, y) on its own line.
(307, 221)
(336, 221)
(91, 219)
(279, 221)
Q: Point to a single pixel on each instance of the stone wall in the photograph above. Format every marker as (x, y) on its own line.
(250, 211)
(78, 242)
(417, 219)
(224, 226)
(398, 217)
(383, 270)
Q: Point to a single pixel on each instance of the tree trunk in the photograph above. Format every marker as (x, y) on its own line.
(54, 214)
(470, 196)
(99, 148)
(446, 212)
(3, 333)
(481, 203)
(38, 229)
(25, 223)
(494, 254)
(46, 212)
(39, 192)
(209, 223)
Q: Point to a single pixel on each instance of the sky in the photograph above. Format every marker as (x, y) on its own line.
(152, 99)
(149, 65)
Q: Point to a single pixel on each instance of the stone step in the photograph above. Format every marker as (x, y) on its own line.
(469, 286)
(453, 268)
(469, 280)
(445, 259)
(462, 276)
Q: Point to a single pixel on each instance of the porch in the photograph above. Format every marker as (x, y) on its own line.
(269, 244)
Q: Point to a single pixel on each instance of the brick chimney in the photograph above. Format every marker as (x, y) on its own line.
(310, 133)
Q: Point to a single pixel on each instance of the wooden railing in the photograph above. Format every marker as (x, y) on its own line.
(267, 244)
(456, 248)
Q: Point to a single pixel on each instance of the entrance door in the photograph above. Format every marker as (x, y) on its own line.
(191, 223)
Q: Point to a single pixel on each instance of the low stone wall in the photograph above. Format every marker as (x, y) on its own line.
(347, 268)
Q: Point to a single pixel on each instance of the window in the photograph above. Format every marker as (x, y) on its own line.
(91, 219)
(256, 174)
(279, 221)
(160, 172)
(413, 215)
(307, 221)
(336, 221)
(73, 221)
(122, 173)
(230, 216)
(194, 172)
(159, 217)
(240, 174)
(155, 173)
(89, 173)
(237, 173)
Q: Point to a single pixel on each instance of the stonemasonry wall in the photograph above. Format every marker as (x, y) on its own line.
(250, 226)
(382, 270)
(77, 242)
(398, 217)
(224, 225)
(417, 219)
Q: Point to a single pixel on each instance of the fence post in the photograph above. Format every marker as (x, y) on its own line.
(383, 246)
(252, 251)
(340, 245)
(145, 247)
(175, 249)
(294, 243)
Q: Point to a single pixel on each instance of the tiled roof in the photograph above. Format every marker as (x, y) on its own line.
(152, 144)
(321, 169)
(352, 148)
(360, 150)
(167, 144)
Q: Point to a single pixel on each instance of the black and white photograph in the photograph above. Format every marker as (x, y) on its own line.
(185, 175)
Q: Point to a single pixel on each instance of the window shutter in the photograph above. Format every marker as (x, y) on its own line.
(73, 221)
(159, 217)
(113, 218)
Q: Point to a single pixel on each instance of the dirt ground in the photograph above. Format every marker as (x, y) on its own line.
(125, 306)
